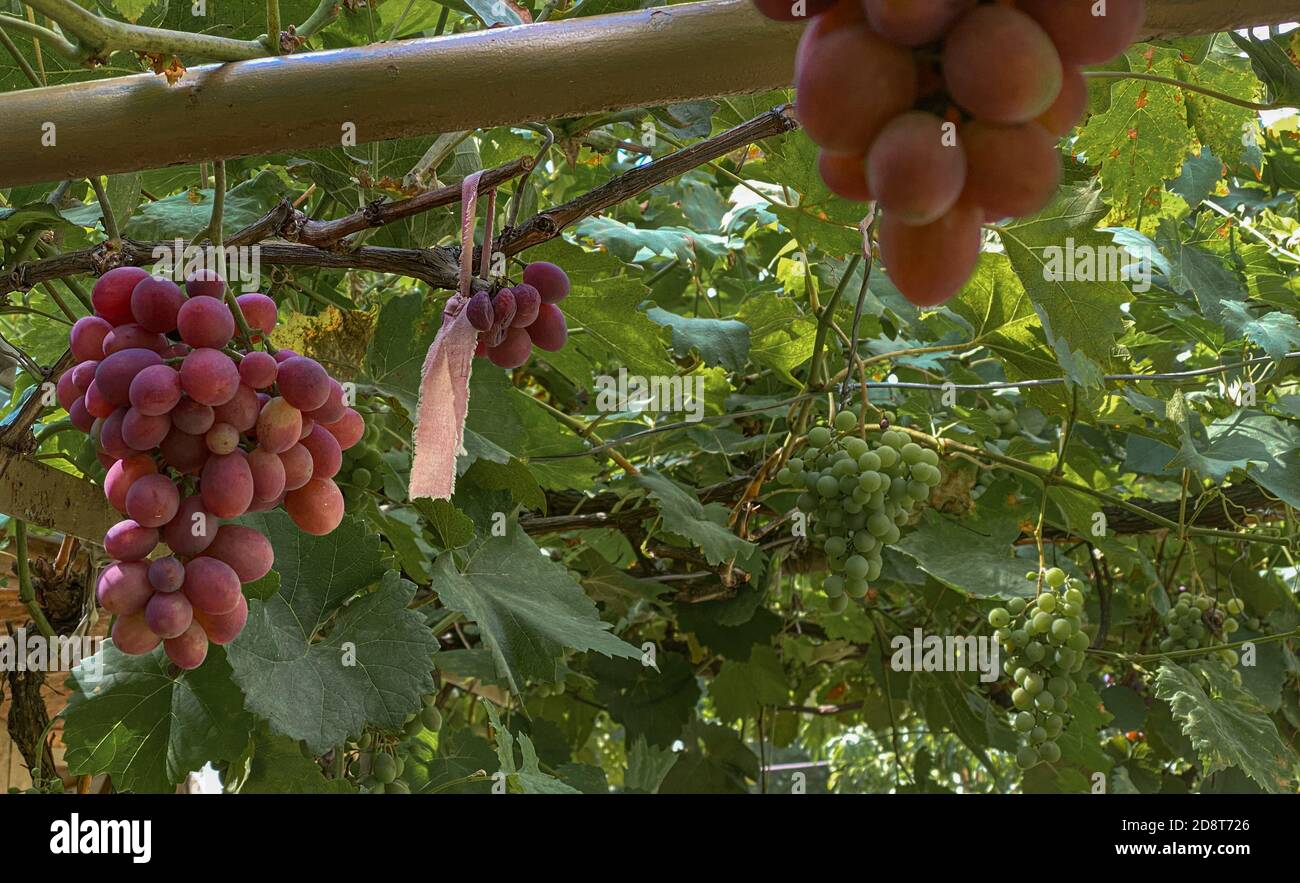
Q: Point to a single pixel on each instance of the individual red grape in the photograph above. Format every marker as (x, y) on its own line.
(96, 405)
(550, 331)
(268, 475)
(1001, 66)
(226, 485)
(259, 312)
(209, 376)
(189, 649)
(283, 355)
(222, 438)
(503, 308)
(211, 585)
(913, 22)
(80, 417)
(514, 349)
(528, 301)
(248, 552)
(1012, 171)
(206, 322)
(110, 436)
(167, 574)
(124, 587)
(191, 417)
(793, 10)
(479, 311)
(168, 614)
(326, 455)
(303, 383)
(128, 541)
(916, 168)
(333, 408)
(111, 296)
(205, 283)
(184, 452)
(84, 374)
(225, 627)
(114, 374)
(348, 429)
(155, 301)
(298, 466)
(1069, 107)
(132, 635)
(308, 425)
(152, 500)
(155, 391)
(316, 507)
(1081, 35)
(123, 474)
(241, 411)
(930, 264)
(845, 175)
(852, 84)
(278, 426)
(144, 432)
(258, 370)
(132, 336)
(192, 530)
(551, 282)
(66, 391)
(87, 338)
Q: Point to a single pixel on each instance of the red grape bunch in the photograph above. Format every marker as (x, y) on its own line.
(512, 321)
(193, 431)
(947, 113)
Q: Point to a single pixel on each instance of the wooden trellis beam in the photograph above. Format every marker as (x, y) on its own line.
(484, 78)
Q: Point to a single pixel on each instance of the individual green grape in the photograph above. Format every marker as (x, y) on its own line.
(856, 567)
(838, 604)
(384, 768)
(1054, 577)
(857, 588)
(819, 437)
(1026, 757)
(1023, 721)
(1049, 752)
(846, 421)
(999, 617)
(833, 586)
(1046, 602)
(431, 717)
(1016, 606)
(1234, 607)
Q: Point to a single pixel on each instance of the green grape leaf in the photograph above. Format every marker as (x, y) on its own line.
(652, 704)
(684, 515)
(147, 724)
(527, 607)
(741, 689)
(1227, 725)
(323, 657)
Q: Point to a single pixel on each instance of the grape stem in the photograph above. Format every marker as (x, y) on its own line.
(1190, 87)
(1199, 651)
(106, 210)
(26, 592)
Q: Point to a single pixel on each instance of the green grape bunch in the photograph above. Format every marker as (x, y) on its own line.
(1196, 622)
(1045, 643)
(858, 497)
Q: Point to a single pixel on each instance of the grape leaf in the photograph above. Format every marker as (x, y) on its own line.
(683, 514)
(740, 689)
(654, 705)
(147, 725)
(526, 778)
(527, 607)
(320, 669)
(277, 766)
(1227, 725)
(722, 342)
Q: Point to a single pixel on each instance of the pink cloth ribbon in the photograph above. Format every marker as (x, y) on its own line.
(444, 380)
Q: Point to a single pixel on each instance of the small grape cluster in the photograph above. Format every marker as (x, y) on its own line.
(512, 321)
(1004, 419)
(377, 767)
(947, 113)
(193, 430)
(1046, 642)
(1196, 622)
(859, 496)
